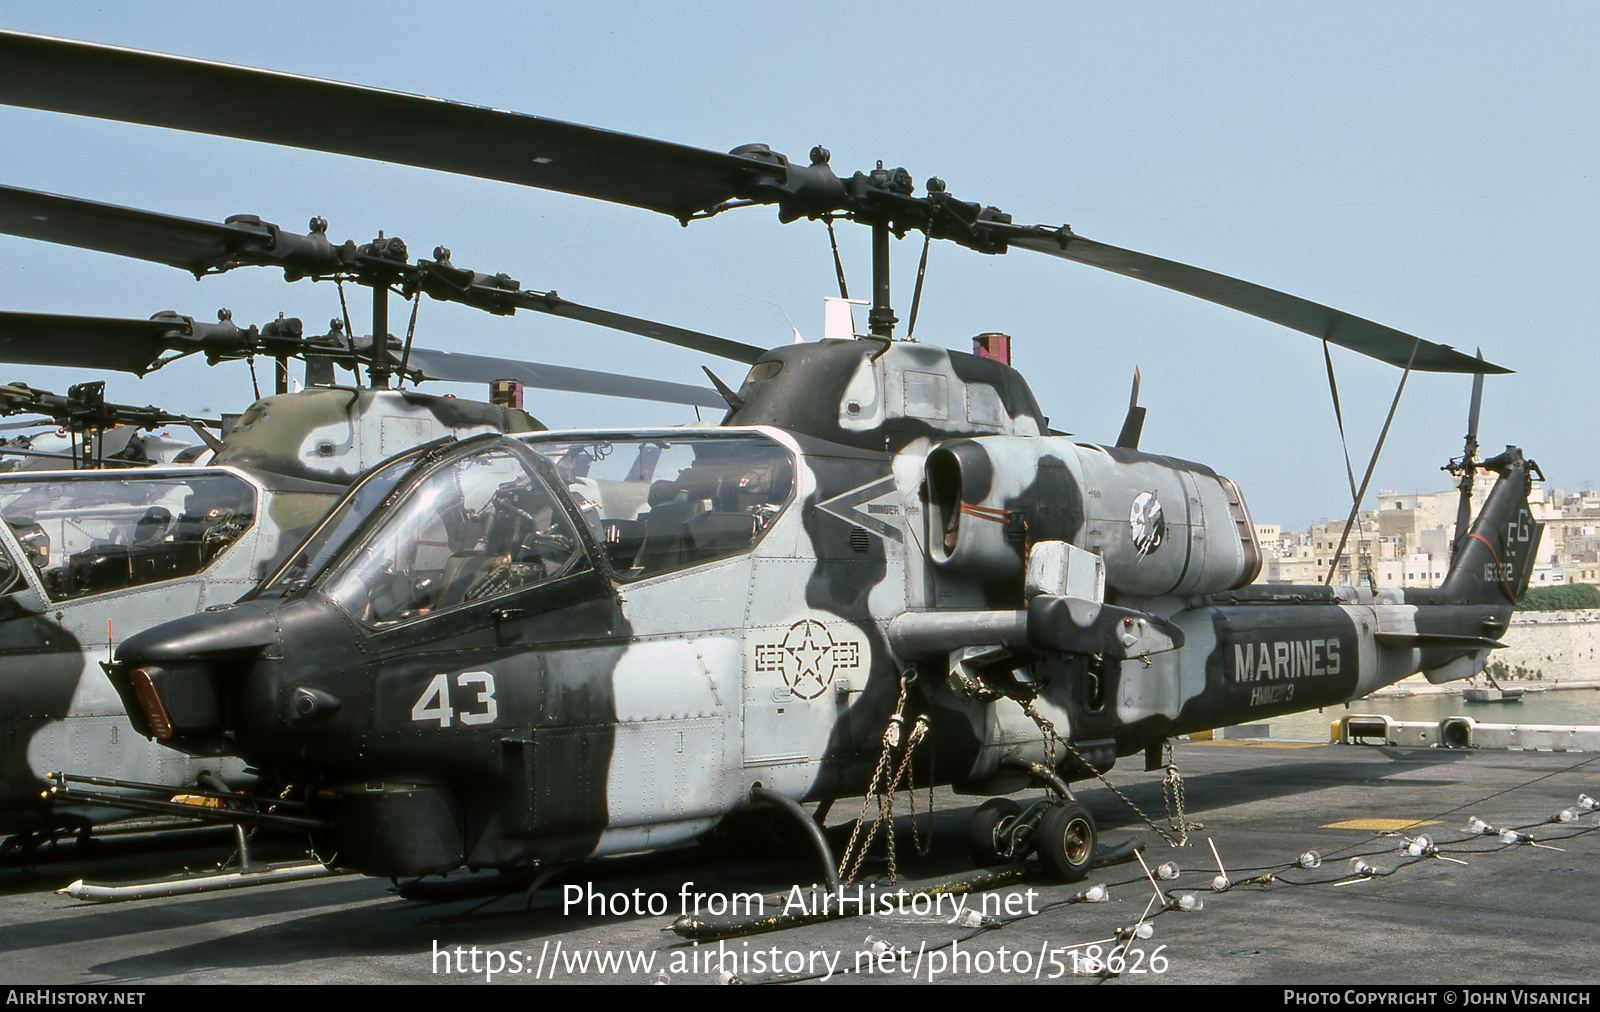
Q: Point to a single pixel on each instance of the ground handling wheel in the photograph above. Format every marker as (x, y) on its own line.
(983, 832)
(1066, 840)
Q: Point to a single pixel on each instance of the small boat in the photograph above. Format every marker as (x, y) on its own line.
(1491, 694)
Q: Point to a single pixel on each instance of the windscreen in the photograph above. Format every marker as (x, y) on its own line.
(475, 528)
(331, 534)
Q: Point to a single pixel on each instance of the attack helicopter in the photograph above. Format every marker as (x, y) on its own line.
(504, 653)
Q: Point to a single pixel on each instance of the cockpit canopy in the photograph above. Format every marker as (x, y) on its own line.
(478, 526)
(92, 532)
(443, 527)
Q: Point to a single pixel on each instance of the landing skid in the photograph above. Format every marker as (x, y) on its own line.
(201, 807)
(186, 885)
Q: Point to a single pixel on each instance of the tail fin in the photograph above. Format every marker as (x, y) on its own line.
(1495, 560)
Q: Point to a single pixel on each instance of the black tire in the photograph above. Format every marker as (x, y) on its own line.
(1066, 841)
(981, 842)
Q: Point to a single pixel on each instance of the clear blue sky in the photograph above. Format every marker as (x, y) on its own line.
(1428, 166)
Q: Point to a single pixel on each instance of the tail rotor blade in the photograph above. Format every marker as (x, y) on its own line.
(1469, 467)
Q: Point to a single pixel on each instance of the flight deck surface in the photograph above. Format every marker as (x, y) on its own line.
(1512, 913)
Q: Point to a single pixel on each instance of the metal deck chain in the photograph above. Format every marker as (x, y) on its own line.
(1173, 782)
(1172, 795)
(884, 793)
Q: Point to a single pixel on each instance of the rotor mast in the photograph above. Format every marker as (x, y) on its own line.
(380, 336)
(393, 250)
(881, 318)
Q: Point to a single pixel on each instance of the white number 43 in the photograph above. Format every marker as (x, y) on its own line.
(435, 701)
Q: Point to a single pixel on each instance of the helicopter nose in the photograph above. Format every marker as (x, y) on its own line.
(179, 703)
(175, 679)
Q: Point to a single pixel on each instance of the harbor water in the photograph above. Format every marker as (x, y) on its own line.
(1540, 705)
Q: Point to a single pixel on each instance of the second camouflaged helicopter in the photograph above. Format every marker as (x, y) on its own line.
(508, 653)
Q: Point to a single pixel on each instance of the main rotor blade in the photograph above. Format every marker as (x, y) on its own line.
(1372, 339)
(453, 367)
(100, 343)
(693, 340)
(187, 243)
(87, 79)
(137, 346)
(196, 95)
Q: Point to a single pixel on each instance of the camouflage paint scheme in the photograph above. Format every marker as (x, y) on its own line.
(602, 712)
(337, 433)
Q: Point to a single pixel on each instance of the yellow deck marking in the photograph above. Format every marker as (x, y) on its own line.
(1381, 825)
(1264, 744)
